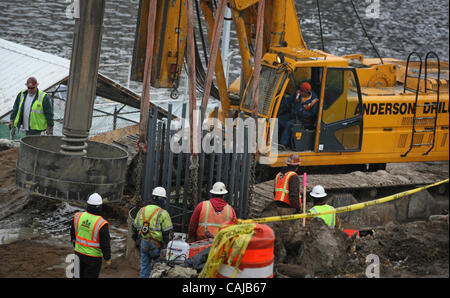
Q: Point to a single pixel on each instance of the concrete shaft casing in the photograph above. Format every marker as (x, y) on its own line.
(42, 168)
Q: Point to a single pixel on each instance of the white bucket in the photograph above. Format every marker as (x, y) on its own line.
(177, 251)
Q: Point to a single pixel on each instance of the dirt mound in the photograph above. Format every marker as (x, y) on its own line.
(415, 249)
(8, 160)
(324, 250)
(27, 258)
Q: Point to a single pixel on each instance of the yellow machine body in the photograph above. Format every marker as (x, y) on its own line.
(366, 114)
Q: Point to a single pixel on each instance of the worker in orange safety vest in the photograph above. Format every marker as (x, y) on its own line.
(210, 215)
(287, 185)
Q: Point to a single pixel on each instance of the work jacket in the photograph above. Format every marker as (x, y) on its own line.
(329, 219)
(305, 111)
(284, 182)
(87, 233)
(151, 222)
(308, 109)
(210, 221)
(41, 113)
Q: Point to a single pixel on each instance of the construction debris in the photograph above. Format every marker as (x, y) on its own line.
(163, 270)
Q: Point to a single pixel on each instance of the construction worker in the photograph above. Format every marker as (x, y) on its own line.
(32, 110)
(301, 108)
(90, 236)
(319, 197)
(210, 215)
(287, 185)
(153, 230)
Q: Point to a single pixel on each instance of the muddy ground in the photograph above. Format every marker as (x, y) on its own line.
(35, 241)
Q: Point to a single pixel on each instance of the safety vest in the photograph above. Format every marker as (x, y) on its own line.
(210, 220)
(329, 219)
(147, 217)
(37, 117)
(87, 230)
(282, 188)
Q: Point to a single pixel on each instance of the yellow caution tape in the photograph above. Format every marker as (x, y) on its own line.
(235, 238)
(341, 209)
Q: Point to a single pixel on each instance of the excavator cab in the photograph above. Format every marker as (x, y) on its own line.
(302, 133)
(338, 124)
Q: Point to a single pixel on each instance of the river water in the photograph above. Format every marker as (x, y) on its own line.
(396, 28)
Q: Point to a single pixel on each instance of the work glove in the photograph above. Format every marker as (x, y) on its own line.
(134, 235)
(137, 243)
(108, 263)
(10, 125)
(49, 131)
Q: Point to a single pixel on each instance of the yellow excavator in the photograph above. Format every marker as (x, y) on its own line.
(371, 110)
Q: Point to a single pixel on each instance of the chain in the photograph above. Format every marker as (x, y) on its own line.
(136, 200)
(193, 178)
(252, 183)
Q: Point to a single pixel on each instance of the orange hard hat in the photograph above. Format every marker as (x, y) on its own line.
(305, 86)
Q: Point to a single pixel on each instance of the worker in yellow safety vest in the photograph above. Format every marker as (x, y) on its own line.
(210, 215)
(319, 197)
(287, 185)
(152, 231)
(91, 239)
(32, 110)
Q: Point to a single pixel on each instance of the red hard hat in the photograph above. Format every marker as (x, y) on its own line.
(305, 86)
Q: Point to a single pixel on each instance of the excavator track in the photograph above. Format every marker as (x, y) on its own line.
(363, 185)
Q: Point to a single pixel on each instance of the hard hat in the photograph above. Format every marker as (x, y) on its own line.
(318, 192)
(305, 86)
(95, 199)
(293, 160)
(219, 189)
(159, 192)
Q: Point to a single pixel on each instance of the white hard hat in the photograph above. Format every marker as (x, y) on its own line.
(95, 199)
(318, 192)
(159, 192)
(219, 189)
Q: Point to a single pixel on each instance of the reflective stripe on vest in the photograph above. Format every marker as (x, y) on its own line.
(329, 219)
(210, 220)
(282, 188)
(37, 117)
(87, 227)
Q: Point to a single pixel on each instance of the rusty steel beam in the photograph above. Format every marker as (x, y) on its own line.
(145, 98)
(190, 60)
(258, 55)
(217, 31)
(214, 31)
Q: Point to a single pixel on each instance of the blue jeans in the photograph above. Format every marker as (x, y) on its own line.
(149, 252)
(285, 123)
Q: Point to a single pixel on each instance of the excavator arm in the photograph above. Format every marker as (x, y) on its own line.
(281, 29)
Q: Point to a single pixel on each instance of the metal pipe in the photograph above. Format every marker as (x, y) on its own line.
(180, 155)
(167, 145)
(82, 82)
